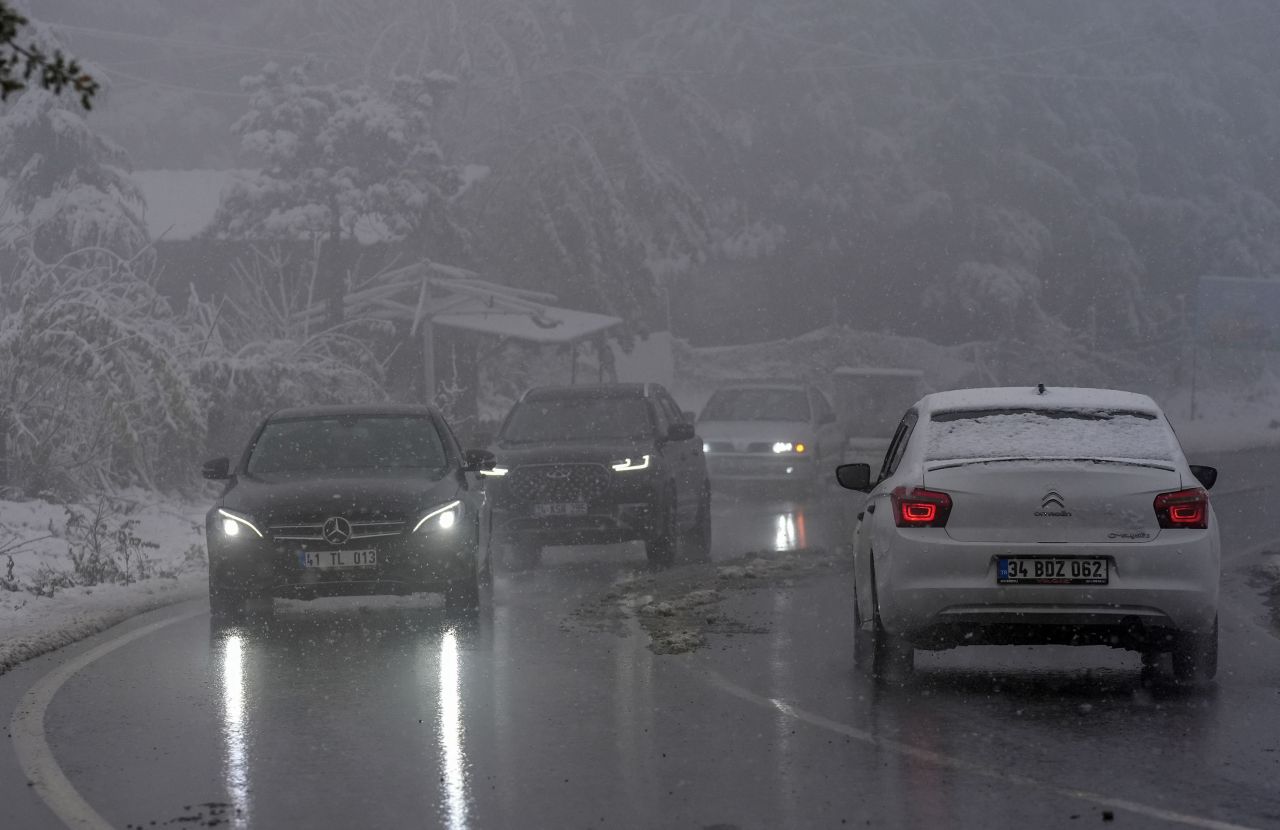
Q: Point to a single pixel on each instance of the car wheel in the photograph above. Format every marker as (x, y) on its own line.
(227, 604)
(660, 547)
(879, 654)
(524, 556)
(1195, 655)
(462, 596)
(698, 541)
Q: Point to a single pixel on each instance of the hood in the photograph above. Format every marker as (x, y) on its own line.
(742, 433)
(574, 452)
(297, 497)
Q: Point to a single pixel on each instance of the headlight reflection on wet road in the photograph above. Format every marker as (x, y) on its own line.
(236, 759)
(453, 763)
(789, 531)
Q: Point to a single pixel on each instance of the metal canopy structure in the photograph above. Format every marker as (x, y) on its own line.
(427, 295)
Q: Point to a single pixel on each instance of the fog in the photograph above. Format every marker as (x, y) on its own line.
(1031, 189)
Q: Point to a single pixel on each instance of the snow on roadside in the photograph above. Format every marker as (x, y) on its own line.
(34, 536)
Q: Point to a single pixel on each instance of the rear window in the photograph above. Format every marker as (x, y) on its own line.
(1049, 433)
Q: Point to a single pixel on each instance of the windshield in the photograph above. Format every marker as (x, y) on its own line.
(355, 443)
(578, 418)
(1049, 433)
(757, 405)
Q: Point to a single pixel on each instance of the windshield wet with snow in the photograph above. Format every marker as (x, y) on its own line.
(347, 443)
(1041, 433)
(578, 419)
(757, 405)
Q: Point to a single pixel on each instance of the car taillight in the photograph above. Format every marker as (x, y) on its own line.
(1184, 508)
(918, 507)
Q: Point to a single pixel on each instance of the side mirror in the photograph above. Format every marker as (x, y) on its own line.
(217, 469)
(854, 477)
(682, 431)
(476, 460)
(1208, 476)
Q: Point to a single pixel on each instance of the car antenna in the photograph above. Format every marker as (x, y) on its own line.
(1039, 388)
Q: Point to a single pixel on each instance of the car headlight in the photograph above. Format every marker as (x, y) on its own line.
(234, 524)
(627, 465)
(444, 517)
(496, 471)
(782, 447)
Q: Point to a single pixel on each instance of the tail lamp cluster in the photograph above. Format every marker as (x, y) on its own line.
(1184, 508)
(918, 507)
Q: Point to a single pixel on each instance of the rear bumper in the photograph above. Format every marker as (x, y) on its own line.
(407, 564)
(940, 592)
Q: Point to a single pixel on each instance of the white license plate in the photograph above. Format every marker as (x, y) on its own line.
(324, 559)
(1049, 570)
(569, 509)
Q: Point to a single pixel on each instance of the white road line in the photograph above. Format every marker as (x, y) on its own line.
(938, 759)
(32, 747)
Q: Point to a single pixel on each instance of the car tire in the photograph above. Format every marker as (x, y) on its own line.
(882, 656)
(1195, 655)
(660, 547)
(698, 542)
(462, 596)
(227, 605)
(524, 556)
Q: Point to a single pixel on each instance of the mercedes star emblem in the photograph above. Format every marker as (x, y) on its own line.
(336, 530)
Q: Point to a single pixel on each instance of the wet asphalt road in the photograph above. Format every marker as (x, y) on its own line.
(388, 715)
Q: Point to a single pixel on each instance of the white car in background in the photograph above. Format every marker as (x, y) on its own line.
(770, 431)
(1036, 516)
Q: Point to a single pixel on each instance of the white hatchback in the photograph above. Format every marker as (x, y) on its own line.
(1036, 516)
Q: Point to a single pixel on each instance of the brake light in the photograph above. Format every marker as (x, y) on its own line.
(1184, 508)
(918, 507)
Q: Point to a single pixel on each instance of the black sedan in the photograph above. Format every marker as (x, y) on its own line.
(589, 465)
(331, 501)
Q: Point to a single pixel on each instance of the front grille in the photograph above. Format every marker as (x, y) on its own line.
(558, 483)
(313, 531)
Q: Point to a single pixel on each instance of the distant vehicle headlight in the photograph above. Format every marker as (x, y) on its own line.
(444, 517)
(496, 471)
(627, 465)
(782, 447)
(234, 524)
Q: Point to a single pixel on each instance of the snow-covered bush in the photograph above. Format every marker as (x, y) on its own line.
(96, 392)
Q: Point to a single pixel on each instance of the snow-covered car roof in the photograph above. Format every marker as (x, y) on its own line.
(1029, 397)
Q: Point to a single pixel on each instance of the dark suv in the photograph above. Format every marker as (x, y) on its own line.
(333, 501)
(584, 465)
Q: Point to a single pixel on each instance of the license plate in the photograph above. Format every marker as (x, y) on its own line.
(1046, 570)
(325, 559)
(569, 509)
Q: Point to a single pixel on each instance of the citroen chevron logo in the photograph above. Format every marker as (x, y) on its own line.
(1052, 499)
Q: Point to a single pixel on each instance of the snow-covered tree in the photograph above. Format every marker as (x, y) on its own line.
(69, 186)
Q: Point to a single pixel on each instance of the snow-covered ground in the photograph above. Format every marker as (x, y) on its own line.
(36, 538)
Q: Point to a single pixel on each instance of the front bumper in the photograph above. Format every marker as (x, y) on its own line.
(407, 563)
(743, 466)
(938, 592)
(604, 523)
